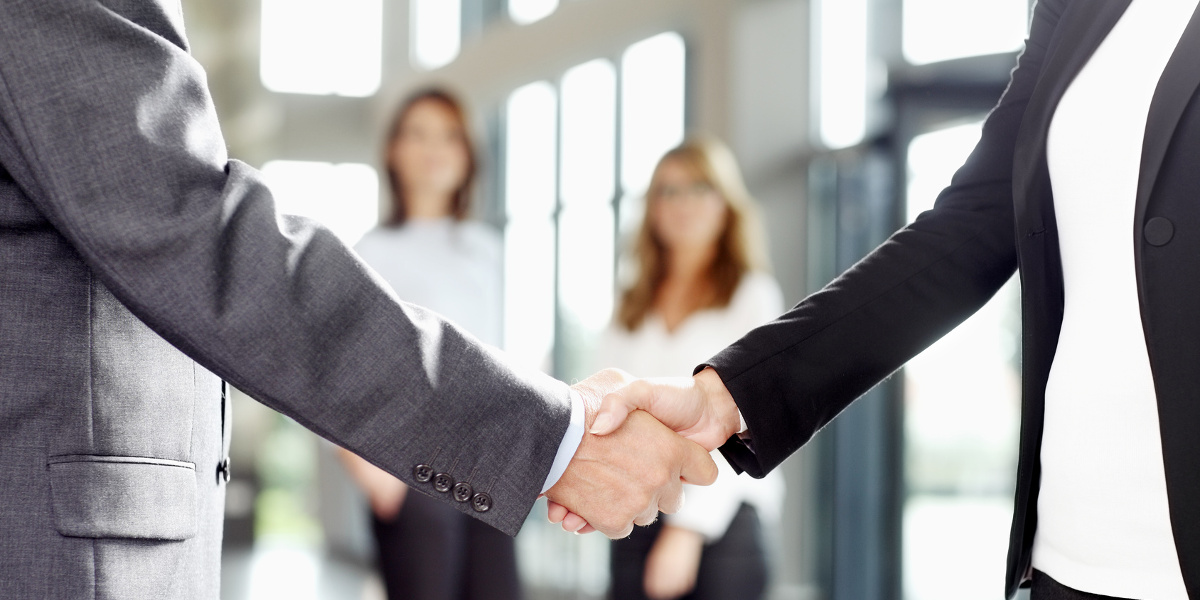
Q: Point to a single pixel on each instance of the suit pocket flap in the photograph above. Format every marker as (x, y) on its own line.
(123, 497)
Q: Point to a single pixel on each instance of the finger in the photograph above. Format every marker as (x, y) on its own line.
(698, 466)
(587, 527)
(671, 499)
(619, 535)
(647, 517)
(564, 495)
(556, 512)
(617, 406)
(573, 523)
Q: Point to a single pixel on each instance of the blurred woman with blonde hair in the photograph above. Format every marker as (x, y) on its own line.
(701, 284)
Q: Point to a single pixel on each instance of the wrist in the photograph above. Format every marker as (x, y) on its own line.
(720, 402)
(571, 440)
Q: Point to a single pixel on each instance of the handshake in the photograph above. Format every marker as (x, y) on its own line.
(643, 440)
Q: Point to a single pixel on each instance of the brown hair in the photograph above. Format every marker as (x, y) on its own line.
(461, 204)
(740, 247)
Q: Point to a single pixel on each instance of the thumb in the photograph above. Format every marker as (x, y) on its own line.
(615, 407)
(698, 466)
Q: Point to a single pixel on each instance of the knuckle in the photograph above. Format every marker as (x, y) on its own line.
(662, 480)
(610, 524)
(647, 500)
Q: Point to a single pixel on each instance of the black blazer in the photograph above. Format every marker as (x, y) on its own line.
(790, 377)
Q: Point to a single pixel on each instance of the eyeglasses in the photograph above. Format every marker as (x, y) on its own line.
(695, 191)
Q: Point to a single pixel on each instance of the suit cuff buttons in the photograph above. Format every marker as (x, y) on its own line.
(461, 491)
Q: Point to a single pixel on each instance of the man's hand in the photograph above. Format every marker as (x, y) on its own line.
(699, 408)
(630, 474)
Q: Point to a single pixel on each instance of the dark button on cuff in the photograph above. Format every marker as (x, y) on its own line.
(223, 470)
(462, 492)
(442, 482)
(1159, 231)
(481, 502)
(422, 473)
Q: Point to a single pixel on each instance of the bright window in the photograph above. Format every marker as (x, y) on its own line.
(841, 65)
(344, 198)
(563, 170)
(589, 129)
(587, 187)
(961, 420)
(322, 46)
(436, 32)
(524, 12)
(932, 160)
(652, 106)
(937, 30)
(531, 198)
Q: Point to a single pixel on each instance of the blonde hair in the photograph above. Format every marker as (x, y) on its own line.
(740, 247)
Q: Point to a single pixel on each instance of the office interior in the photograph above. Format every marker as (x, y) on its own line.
(847, 116)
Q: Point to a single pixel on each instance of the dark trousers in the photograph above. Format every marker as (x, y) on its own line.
(432, 552)
(734, 566)
(1046, 588)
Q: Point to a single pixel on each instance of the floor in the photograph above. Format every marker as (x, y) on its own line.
(268, 572)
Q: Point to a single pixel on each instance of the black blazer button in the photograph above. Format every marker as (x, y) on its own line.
(442, 482)
(481, 502)
(422, 473)
(223, 473)
(1159, 231)
(462, 492)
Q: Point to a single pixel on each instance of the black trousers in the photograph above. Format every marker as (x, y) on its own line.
(734, 566)
(1046, 588)
(432, 552)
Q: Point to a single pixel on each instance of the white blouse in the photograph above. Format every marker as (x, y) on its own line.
(653, 351)
(451, 267)
(1103, 522)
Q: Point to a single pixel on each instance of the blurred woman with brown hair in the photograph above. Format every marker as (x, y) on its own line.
(434, 257)
(701, 283)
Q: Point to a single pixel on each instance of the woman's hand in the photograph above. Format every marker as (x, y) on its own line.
(387, 498)
(673, 563)
(699, 408)
(385, 493)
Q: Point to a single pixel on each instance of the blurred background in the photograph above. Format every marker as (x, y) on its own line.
(848, 116)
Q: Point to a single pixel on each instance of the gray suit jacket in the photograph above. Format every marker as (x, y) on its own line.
(137, 261)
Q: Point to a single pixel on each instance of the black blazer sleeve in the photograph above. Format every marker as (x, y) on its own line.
(793, 375)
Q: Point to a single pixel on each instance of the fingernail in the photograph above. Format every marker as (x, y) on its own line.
(602, 423)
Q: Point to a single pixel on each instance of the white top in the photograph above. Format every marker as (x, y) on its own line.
(1103, 525)
(652, 351)
(454, 268)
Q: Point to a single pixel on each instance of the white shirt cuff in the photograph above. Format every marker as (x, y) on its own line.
(570, 443)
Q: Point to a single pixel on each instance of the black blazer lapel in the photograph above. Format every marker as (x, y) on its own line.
(1085, 24)
(1167, 288)
(1174, 92)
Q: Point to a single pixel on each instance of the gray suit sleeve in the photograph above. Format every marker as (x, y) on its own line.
(107, 125)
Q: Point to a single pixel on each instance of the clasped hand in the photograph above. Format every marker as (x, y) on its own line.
(632, 463)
